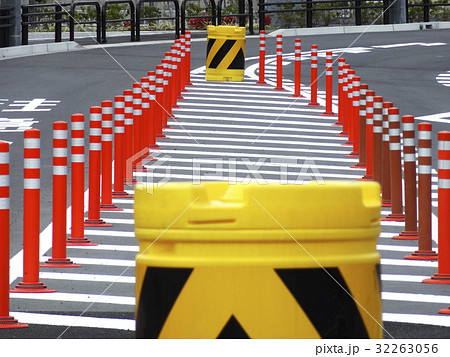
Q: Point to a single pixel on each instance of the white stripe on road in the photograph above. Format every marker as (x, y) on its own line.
(72, 297)
(417, 319)
(75, 321)
(87, 277)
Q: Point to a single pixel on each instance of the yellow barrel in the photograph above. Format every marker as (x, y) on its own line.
(225, 54)
(220, 260)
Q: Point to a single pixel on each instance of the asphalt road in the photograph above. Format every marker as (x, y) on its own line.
(403, 74)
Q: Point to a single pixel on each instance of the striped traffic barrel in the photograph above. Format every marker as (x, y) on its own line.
(221, 260)
(225, 53)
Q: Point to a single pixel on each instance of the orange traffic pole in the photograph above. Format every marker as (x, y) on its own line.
(386, 172)
(396, 168)
(424, 143)
(443, 274)
(279, 86)
(31, 215)
(6, 321)
(262, 57)
(77, 237)
(59, 223)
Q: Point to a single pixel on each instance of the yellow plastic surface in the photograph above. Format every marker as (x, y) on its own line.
(234, 231)
(221, 34)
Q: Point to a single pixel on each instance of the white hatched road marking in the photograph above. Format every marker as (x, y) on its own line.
(242, 93)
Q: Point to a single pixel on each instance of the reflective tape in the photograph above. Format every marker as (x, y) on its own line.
(77, 125)
(60, 134)
(96, 117)
(444, 183)
(120, 105)
(4, 157)
(424, 152)
(59, 152)
(32, 143)
(4, 203)
(137, 112)
(394, 132)
(119, 130)
(394, 146)
(107, 137)
(77, 158)
(95, 146)
(443, 165)
(4, 180)
(409, 142)
(444, 145)
(409, 157)
(95, 131)
(424, 169)
(32, 184)
(107, 110)
(31, 163)
(408, 126)
(106, 124)
(59, 170)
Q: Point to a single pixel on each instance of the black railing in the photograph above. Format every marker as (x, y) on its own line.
(131, 19)
(97, 22)
(309, 8)
(426, 6)
(175, 18)
(242, 15)
(58, 14)
(6, 17)
(212, 16)
(33, 15)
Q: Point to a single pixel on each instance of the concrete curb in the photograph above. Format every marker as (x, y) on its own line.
(360, 29)
(38, 49)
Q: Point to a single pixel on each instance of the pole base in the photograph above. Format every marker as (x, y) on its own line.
(79, 242)
(438, 279)
(37, 287)
(168, 126)
(189, 84)
(96, 223)
(394, 217)
(359, 165)
(10, 322)
(353, 154)
(366, 178)
(59, 263)
(422, 255)
(342, 133)
(441, 311)
(407, 235)
(297, 96)
(155, 147)
(330, 114)
(312, 104)
(121, 194)
(386, 203)
(161, 137)
(279, 89)
(130, 182)
(109, 207)
(263, 83)
(338, 123)
(180, 97)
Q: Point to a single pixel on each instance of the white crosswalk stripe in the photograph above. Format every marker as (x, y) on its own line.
(244, 132)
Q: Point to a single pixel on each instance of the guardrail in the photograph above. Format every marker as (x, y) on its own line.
(131, 19)
(40, 18)
(309, 9)
(60, 13)
(212, 16)
(6, 18)
(242, 15)
(175, 18)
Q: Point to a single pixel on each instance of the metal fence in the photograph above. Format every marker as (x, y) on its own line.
(307, 13)
(6, 24)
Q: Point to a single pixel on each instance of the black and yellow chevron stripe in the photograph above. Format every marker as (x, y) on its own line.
(224, 54)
